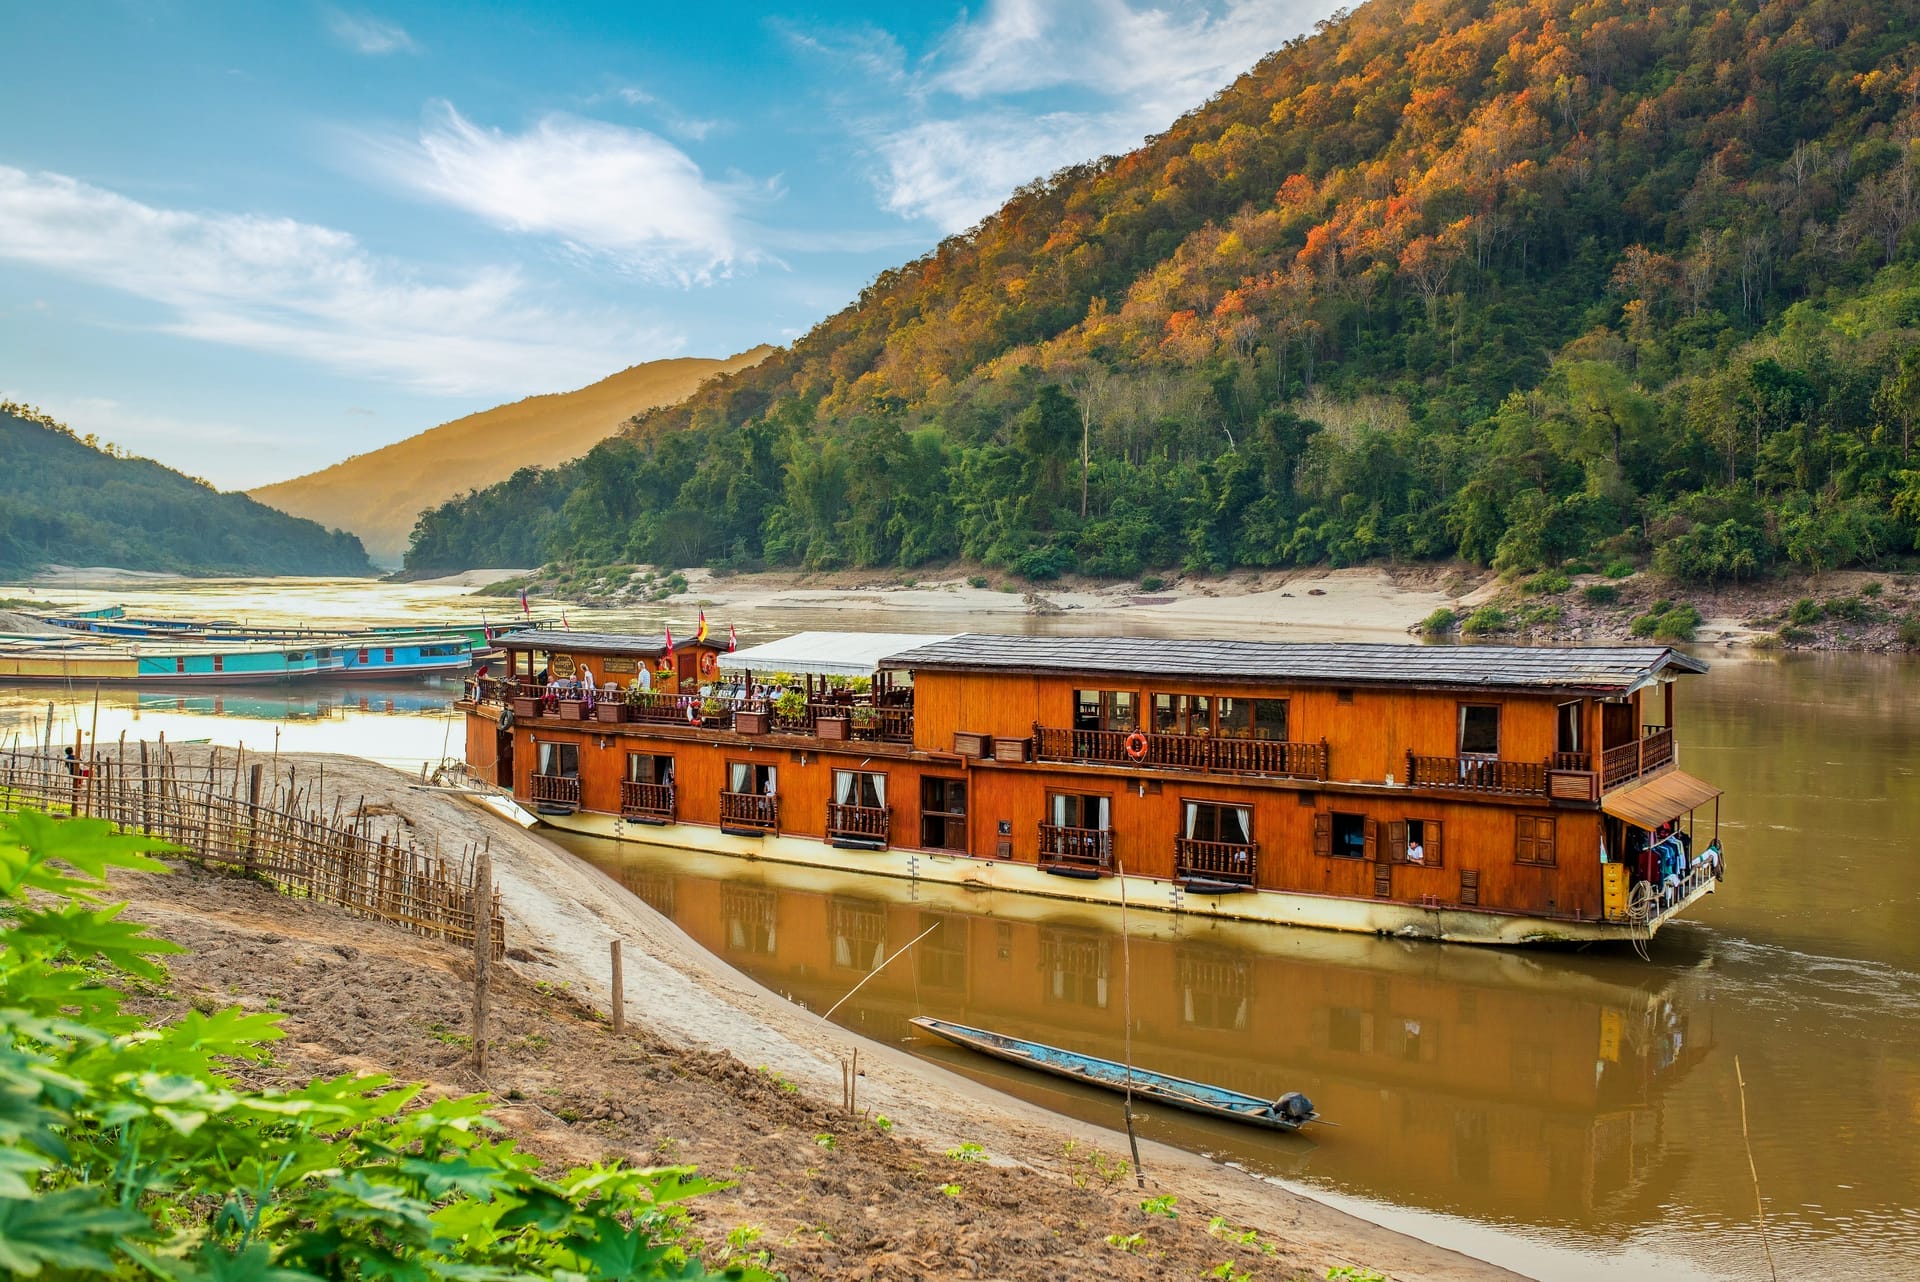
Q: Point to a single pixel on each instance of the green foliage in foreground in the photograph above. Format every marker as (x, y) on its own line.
(127, 1152)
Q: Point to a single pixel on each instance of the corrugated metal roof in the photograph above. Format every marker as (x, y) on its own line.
(551, 639)
(1659, 800)
(834, 654)
(1608, 669)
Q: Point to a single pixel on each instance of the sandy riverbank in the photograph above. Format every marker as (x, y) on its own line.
(691, 1086)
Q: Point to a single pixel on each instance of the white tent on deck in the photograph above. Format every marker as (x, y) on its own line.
(828, 654)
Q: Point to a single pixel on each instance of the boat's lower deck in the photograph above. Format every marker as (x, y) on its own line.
(1325, 912)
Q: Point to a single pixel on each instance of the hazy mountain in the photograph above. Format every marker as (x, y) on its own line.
(64, 500)
(379, 495)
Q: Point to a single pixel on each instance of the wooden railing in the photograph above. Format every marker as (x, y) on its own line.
(556, 790)
(646, 800)
(860, 823)
(750, 810)
(1629, 761)
(1076, 847)
(888, 725)
(1212, 754)
(1216, 860)
(1572, 761)
(1478, 774)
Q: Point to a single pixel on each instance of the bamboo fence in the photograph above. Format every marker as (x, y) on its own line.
(229, 815)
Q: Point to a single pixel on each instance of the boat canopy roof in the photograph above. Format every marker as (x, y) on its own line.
(1598, 670)
(551, 639)
(1659, 800)
(829, 654)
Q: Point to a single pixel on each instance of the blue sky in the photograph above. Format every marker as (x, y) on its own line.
(251, 239)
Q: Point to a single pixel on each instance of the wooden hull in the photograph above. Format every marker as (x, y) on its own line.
(1106, 1074)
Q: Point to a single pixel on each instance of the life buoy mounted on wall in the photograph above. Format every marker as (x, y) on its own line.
(693, 713)
(506, 718)
(1136, 745)
(708, 663)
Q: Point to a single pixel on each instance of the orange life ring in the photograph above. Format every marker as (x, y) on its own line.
(1136, 745)
(693, 712)
(708, 663)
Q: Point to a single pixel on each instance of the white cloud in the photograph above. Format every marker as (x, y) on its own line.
(369, 35)
(1120, 71)
(624, 195)
(313, 293)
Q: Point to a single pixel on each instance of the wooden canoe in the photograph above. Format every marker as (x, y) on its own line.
(1288, 1113)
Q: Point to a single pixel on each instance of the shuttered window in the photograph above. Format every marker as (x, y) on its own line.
(1533, 841)
(1415, 841)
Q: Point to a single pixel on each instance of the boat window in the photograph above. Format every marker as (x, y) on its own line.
(562, 759)
(1211, 821)
(1415, 841)
(1533, 840)
(1104, 710)
(1075, 810)
(1479, 729)
(1342, 836)
(860, 788)
(363, 655)
(219, 663)
(943, 813)
(1182, 714)
(389, 654)
(751, 777)
(1252, 718)
(650, 767)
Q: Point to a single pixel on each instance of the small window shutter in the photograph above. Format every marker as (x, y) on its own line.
(1543, 840)
(1470, 887)
(1397, 839)
(1323, 834)
(1435, 857)
(1523, 839)
(1372, 840)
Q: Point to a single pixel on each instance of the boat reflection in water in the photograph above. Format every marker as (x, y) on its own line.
(314, 703)
(1479, 1082)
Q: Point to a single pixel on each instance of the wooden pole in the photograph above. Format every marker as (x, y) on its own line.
(482, 899)
(618, 1004)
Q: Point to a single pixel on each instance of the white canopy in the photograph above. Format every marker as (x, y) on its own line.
(830, 654)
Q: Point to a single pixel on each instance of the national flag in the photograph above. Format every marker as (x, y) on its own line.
(701, 635)
(733, 639)
(563, 621)
(669, 642)
(523, 604)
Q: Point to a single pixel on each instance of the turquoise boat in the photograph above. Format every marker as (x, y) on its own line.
(77, 662)
(406, 655)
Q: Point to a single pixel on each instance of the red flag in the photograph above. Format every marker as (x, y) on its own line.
(733, 639)
(523, 604)
(701, 635)
(669, 642)
(563, 621)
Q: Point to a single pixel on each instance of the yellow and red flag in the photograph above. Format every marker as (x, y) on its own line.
(701, 635)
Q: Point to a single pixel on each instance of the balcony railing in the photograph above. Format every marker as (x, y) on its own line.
(750, 810)
(556, 790)
(1212, 754)
(1087, 848)
(646, 800)
(1478, 774)
(1629, 761)
(858, 823)
(1232, 861)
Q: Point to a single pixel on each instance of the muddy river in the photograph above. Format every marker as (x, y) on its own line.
(1567, 1114)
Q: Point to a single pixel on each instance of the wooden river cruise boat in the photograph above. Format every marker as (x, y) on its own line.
(1485, 794)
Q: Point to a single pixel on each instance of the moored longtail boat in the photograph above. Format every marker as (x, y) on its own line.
(78, 662)
(1288, 1113)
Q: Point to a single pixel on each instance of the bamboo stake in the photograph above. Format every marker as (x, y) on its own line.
(482, 891)
(618, 1003)
(1759, 1203)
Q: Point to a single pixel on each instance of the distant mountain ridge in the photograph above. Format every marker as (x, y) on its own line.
(380, 494)
(63, 499)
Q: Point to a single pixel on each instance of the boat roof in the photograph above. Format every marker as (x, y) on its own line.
(566, 642)
(830, 654)
(1614, 670)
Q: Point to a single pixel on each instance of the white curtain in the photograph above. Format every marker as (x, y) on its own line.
(1059, 810)
(739, 777)
(879, 789)
(843, 786)
(1239, 817)
(1193, 818)
(1100, 812)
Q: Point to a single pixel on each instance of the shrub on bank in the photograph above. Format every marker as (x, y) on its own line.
(1440, 622)
(1668, 621)
(1488, 618)
(1600, 594)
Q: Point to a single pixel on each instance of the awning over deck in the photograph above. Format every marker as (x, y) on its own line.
(828, 654)
(1659, 800)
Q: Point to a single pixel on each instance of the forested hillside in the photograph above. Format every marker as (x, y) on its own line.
(65, 501)
(1515, 281)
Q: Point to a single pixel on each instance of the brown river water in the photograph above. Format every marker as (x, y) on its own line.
(1568, 1114)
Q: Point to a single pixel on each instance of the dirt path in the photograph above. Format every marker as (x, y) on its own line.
(727, 1075)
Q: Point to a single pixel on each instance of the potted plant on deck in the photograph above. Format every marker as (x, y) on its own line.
(751, 720)
(832, 723)
(610, 708)
(573, 710)
(866, 721)
(790, 706)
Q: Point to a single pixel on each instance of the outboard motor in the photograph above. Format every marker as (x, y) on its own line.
(1293, 1106)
